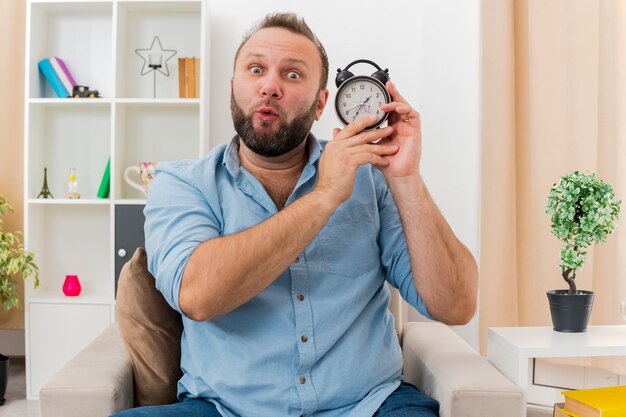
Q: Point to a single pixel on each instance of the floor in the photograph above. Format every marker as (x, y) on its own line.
(535, 411)
(16, 404)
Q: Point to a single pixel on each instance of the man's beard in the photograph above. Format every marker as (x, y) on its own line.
(265, 142)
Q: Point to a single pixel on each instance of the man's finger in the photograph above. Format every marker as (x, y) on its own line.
(402, 109)
(401, 112)
(369, 158)
(336, 132)
(395, 94)
(370, 136)
(376, 149)
(357, 126)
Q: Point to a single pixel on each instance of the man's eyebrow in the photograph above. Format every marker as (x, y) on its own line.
(290, 61)
(297, 61)
(254, 55)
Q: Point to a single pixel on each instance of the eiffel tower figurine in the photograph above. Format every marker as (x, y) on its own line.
(45, 191)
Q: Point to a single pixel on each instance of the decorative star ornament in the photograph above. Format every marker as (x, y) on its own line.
(144, 54)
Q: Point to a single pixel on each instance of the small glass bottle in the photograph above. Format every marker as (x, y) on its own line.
(72, 185)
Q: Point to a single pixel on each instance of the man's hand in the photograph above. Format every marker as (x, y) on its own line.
(407, 136)
(349, 149)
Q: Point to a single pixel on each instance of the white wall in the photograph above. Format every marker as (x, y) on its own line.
(432, 51)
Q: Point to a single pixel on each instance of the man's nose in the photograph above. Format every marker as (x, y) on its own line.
(271, 86)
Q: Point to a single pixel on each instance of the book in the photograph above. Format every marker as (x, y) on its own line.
(196, 77)
(596, 402)
(182, 78)
(66, 71)
(66, 82)
(189, 64)
(51, 76)
(105, 183)
(559, 411)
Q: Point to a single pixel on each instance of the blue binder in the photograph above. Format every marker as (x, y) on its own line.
(46, 68)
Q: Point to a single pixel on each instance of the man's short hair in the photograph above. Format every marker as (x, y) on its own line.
(294, 24)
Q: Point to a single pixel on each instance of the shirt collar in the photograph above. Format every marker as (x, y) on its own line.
(233, 164)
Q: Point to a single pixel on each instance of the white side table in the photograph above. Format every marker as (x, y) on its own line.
(513, 349)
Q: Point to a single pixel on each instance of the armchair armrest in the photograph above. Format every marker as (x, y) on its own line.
(441, 364)
(97, 382)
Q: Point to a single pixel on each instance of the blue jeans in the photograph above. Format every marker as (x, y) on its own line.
(406, 401)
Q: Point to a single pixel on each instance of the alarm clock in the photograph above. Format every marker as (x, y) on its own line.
(359, 96)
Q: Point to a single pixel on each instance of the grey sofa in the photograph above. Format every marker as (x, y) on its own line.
(99, 380)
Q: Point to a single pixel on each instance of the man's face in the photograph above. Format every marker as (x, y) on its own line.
(275, 93)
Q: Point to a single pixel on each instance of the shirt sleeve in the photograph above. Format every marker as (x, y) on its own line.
(178, 220)
(393, 247)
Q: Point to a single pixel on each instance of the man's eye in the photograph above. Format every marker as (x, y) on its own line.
(293, 75)
(255, 70)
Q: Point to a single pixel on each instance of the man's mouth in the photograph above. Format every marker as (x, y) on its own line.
(267, 111)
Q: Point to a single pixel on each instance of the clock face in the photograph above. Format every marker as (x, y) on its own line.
(359, 97)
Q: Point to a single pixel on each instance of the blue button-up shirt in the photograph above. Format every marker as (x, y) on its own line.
(320, 340)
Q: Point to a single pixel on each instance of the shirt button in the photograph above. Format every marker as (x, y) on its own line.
(302, 380)
(296, 260)
(304, 339)
(300, 297)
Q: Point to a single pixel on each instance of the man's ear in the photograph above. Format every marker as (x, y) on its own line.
(322, 99)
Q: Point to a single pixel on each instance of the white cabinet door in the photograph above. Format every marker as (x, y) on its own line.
(57, 332)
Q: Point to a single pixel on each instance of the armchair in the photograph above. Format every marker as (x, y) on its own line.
(100, 380)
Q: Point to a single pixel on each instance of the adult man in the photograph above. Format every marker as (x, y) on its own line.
(275, 249)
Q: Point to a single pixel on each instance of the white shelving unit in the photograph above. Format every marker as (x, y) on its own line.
(513, 350)
(97, 40)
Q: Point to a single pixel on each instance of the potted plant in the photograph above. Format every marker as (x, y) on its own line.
(583, 209)
(14, 263)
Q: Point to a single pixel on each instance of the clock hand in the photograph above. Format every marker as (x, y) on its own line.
(357, 112)
(360, 105)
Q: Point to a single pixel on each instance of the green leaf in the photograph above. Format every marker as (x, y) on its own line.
(15, 262)
(583, 211)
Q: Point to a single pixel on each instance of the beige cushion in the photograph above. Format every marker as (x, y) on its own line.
(151, 331)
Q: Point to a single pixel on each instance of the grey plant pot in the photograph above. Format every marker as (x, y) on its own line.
(570, 313)
(4, 376)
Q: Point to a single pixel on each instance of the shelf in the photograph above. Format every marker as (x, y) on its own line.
(65, 6)
(62, 137)
(148, 133)
(131, 202)
(161, 5)
(81, 33)
(97, 40)
(178, 26)
(71, 239)
(69, 202)
(70, 101)
(57, 297)
(159, 101)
